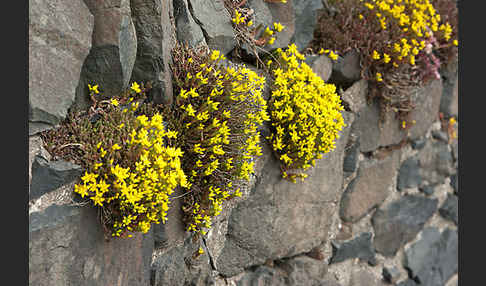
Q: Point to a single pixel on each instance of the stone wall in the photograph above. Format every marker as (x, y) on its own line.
(382, 208)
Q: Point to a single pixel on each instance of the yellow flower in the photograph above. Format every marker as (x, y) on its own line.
(379, 77)
(115, 147)
(455, 42)
(271, 41)
(278, 27)
(114, 101)
(135, 87)
(93, 88)
(376, 55)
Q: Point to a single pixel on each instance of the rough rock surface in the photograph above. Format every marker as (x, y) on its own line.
(67, 247)
(450, 209)
(173, 231)
(363, 278)
(409, 174)
(449, 103)
(187, 30)
(435, 162)
(434, 258)
(355, 96)
(266, 13)
(321, 65)
(391, 274)
(276, 221)
(374, 133)
(152, 20)
(306, 12)
(182, 265)
(427, 108)
(215, 22)
(50, 175)
(369, 188)
(361, 247)
(36, 149)
(59, 41)
(114, 48)
(400, 222)
(346, 70)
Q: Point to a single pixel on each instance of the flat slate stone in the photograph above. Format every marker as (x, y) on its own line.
(50, 175)
(369, 189)
(67, 246)
(361, 247)
(60, 36)
(433, 259)
(400, 222)
(391, 274)
(450, 209)
(409, 174)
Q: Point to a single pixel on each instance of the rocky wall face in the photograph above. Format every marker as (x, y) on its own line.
(382, 208)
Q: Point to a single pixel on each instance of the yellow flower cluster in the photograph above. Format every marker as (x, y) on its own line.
(417, 20)
(332, 54)
(134, 193)
(305, 113)
(219, 110)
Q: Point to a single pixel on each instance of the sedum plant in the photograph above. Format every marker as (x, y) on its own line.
(217, 111)
(402, 43)
(131, 167)
(305, 113)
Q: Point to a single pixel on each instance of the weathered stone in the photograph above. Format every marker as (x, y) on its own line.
(50, 175)
(426, 109)
(418, 143)
(36, 149)
(391, 274)
(265, 14)
(59, 41)
(262, 276)
(450, 209)
(67, 247)
(361, 247)
(346, 70)
(305, 15)
(215, 22)
(303, 270)
(188, 31)
(455, 183)
(440, 135)
(400, 222)
(152, 20)
(172, 232)
(434, 258)
(409, 174)
(351, 156)
(427, 189)
(374, 133)
(355, 96)
(111, 59)
(450, 95)
(361, 277)
(408, 282)
(435, 162)
(369, 188)
(321, 65)
(276, 220)
(182, 265)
